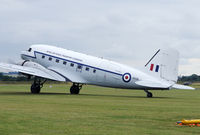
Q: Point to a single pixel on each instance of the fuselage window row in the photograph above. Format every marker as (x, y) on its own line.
(72, 64)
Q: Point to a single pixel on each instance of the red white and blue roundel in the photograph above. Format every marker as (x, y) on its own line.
(126, 77)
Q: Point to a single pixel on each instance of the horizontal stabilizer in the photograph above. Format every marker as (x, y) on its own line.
(183, 87)
(152, 84)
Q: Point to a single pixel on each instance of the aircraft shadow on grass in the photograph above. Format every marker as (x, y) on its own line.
(121, 96)
(28, 93)
(68, 94)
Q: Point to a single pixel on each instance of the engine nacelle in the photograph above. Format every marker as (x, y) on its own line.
(32, 65)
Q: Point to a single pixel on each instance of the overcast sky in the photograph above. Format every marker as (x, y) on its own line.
(126, 31)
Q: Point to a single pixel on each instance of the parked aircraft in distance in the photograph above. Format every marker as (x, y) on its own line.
(49, 62)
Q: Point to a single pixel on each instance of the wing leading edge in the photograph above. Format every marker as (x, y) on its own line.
(44, 73)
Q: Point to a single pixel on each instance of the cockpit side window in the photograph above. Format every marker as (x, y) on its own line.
(29, 50)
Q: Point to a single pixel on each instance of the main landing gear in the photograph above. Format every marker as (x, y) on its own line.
(149, 94)
(37, 85)
(75, 88)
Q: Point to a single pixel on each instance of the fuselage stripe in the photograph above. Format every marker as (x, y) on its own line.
(34, 57)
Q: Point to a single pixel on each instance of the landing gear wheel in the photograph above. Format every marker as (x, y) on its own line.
(35, 89)
(75, 89)
(37, 85)
(149, 95)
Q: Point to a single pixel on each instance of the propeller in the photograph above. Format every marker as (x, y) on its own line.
(15, 62)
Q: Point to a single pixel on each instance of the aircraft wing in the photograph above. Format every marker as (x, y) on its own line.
(44, 73)
(72, 77)
(183, 87)
(152, 84)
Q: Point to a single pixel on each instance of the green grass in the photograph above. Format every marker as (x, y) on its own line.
(96, 111)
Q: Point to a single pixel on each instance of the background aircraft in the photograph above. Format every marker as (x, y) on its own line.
(50, 62)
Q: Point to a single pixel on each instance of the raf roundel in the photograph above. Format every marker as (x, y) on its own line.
(126, 77)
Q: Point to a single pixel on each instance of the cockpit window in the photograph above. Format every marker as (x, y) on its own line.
(29, 50)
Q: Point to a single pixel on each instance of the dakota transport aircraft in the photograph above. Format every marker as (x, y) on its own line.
(50, 62)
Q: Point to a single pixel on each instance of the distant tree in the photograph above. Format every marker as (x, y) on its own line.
(192, 78)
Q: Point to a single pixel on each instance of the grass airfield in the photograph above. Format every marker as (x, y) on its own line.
(96, 111)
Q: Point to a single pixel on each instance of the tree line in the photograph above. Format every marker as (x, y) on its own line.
(191, 78)
(12, 78)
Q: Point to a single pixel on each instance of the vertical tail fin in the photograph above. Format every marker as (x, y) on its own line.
(164, 64)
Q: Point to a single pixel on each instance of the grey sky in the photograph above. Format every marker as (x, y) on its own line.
(126, 31)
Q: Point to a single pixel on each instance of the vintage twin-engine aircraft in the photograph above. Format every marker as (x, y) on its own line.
(50, 62)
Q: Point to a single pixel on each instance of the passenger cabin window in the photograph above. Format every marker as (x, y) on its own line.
(50, 58)
(79, 67)
(94, 71)
(64, 62)
(87, 68)
(29, 50)
(43, 56)
(72, 64)
(57, 60)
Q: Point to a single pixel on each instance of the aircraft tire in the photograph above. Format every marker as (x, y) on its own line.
(149, 95)
(35, 89)
(74, 90)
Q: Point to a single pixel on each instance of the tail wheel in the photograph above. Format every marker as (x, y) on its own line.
(149, 94)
